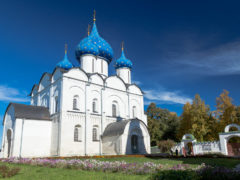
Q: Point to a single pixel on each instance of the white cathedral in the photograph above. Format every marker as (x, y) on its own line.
(80, 111)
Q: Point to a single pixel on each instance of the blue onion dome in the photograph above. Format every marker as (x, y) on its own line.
(65, 63)
(105, 50)
(123, 62)
(86, 47)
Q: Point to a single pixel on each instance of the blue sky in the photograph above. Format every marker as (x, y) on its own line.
(178, 48)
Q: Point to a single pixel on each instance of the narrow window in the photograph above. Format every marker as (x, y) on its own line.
(101, 66)
(128, 77)
(95, 133)
(134, 111)
(77, 133)
(75, 102)
(114, 110)
(92, 65)
(56, 104)
(94, 106)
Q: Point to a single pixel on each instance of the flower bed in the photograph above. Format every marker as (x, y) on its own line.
(105, 166)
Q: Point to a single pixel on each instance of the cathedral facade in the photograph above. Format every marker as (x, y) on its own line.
(78, 111)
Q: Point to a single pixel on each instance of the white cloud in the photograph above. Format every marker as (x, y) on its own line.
(166, 97)
(220, 60)
(11, 94)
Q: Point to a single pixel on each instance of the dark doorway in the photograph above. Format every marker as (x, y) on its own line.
(233, 146)
(134, 144)
(9, 135)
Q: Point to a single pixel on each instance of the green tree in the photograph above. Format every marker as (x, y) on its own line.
(212, 132)
(162, 124)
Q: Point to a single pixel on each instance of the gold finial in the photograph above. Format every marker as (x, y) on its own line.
(88, 30)
(94, 15)
(66, 46)
(122, 45)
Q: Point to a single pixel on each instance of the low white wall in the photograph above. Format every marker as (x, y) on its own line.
(32, 138)
(206, 147)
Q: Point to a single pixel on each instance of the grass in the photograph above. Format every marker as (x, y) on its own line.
(29, 172)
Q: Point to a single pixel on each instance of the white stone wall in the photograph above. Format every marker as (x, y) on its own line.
(105, 90)
(206, 147)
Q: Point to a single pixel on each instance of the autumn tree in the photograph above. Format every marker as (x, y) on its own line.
(212, 130)
(185, 121)
(226, 112)
(199, 115)
(194, 119)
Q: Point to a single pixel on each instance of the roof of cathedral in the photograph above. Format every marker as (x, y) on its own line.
(123, 62)
(94, 44)
(30, 112)
(117, 128)
(65, 63)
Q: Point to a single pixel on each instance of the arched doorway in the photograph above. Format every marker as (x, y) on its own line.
(9, 140)
(134, 144)
(189, 148)
(233, 146)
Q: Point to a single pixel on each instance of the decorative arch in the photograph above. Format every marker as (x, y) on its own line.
(120, 105)
(44, 81)
(133, 88)
(227, 128)
(57, 73)
(77, 73)
(188, 137)
(224, 137)
(76, 98)
(96, 79)
(115, 82)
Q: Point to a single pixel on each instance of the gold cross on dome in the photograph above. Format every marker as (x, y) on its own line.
(66, 46)
(94, 15)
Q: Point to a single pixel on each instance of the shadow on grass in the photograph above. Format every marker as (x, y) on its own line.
(196, 160)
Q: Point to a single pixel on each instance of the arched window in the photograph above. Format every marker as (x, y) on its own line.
(134, 111)
(95, 105)
(95, 133)
(77, 133)
(128, 77)
(75, 102)
(56, 104)
(114, 110)
(92, 65)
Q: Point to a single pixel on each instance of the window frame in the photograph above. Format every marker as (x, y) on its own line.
(77, 136)
(95, 133)
(75, 103)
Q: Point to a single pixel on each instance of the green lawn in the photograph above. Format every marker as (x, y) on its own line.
(29, 172)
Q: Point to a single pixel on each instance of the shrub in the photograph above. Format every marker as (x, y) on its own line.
(175, 175)
(165, 145)
(6, 171)
(218, 173)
